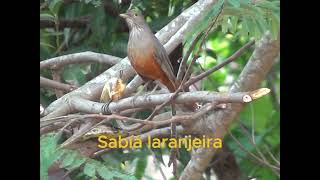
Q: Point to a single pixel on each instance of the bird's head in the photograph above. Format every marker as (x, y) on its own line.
(134, 18)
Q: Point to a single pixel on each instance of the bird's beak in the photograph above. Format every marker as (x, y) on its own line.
(124, 15)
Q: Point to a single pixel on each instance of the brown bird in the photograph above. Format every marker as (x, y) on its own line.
(146, 54)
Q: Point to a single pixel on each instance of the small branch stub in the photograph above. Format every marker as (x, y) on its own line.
(246, 98)
(41, 109)
(253, 95)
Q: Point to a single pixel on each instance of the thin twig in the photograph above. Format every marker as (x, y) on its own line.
(232, 58)
(206, 33)
(66, 23)
(173, 152)
(203, 70)
(186, 56)
(156, 163)
(262, 162)
(252, 123)
(270, 83)
(251, 141)
(271, 155)
(48, 83)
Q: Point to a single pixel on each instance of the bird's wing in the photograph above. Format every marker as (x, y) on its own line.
(162, 58)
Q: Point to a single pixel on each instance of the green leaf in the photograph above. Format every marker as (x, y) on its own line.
(257, 33)
(262, 112)
(122, 175)
(89, 170)
(74, 73)
(232, 11)
(105, 173)
(224, 24)
(78, 161)
(234, 3)
(140, 167)
(205, 20)
(94, 178)
(158, 153)
(275, 26)
(276, 2)
(268, 5)
(48, 155)
(55, 5)
(234, 23)
(250, 25)
(265, 174)
(68, 159)
(245, 1)
(262, 24)
(46, 45)
(251, 10)
(47, 17)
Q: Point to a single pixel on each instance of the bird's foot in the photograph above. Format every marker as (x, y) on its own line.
(105, 108)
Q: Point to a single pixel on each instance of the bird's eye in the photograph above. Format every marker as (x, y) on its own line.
(135, 14)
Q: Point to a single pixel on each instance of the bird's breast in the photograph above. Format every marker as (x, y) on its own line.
(142, 60)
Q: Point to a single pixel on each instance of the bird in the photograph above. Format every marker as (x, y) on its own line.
(145, 52)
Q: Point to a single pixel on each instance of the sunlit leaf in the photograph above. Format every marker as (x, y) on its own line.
(275, 26)
(234, 24)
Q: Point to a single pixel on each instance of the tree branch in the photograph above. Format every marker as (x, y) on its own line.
(65, 23)
(77, 58)
(88, 106)
(48, 83)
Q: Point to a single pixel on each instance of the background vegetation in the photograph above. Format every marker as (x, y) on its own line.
(69, 26)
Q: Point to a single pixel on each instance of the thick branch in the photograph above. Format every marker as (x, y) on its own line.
(77, 58)
(65, 23)
(88, 106)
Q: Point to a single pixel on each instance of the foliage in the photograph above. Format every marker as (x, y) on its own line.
(70, 160)
(240, 21)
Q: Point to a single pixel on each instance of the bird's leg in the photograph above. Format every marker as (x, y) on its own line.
(105, 108)
(174, 151)
(154, 89)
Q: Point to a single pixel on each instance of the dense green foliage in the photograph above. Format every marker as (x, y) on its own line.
(240, 21)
